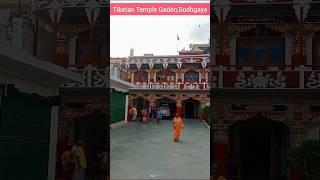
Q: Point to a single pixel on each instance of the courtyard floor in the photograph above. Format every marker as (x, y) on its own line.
(147, 151)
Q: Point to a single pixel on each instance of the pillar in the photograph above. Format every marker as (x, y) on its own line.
(55, 15)
(179, 108)
(126, 109)
(132, 77)
(296, 136)
(220, 150)
(92, 14)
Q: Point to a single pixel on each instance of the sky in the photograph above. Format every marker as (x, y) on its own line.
(156, 34)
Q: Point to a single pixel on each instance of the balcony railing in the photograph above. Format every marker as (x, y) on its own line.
(285, 77)
(172, 86)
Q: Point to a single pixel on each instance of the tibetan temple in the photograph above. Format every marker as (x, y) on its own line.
(179, 83)
(264, 85)
(77, 38)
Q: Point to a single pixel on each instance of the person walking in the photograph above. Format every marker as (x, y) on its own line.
(177, 127)
(134, 113)
(150, 115)
(129, 113)
(159, 116)
(147, 115)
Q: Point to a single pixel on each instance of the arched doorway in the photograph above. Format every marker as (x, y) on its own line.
(140, 103)
(259, 146)
(190, 108)
(167, 104)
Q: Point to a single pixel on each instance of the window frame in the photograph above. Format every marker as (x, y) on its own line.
(267, 41)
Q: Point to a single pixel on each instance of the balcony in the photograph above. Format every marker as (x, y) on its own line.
(284, 77)
(171, 86)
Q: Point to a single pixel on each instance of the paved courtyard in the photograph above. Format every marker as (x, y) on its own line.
(146, 151)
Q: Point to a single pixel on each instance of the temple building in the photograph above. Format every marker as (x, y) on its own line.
(179, 83)
(74, 35)
(264, 85)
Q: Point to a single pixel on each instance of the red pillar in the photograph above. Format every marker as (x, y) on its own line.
(179, 109)
(221, 158)
(296, 173)
(220, 150)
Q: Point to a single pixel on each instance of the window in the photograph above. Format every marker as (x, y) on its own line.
(99, 51)
(191, 76)
(166, 76)
(260, 51)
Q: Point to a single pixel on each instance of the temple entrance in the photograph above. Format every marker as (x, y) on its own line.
(259, 145)
(190, 108)
(91, 129)
(140, 103)
(167, 106)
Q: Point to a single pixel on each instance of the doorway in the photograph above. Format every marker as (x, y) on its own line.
(191, 109)
(167, 104)
(260, 146)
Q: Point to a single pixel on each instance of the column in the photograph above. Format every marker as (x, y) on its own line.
(149, 76)
(126, 109)
(92, 13)
(53, 142)
(132, 77)
(296, 136)
(155, 76)
(55, 15)
(182, 77)
(288, 51)
(72, 50)
(179, 108)
(207, 79)
(220, 149)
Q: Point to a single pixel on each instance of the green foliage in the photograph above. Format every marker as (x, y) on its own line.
(307, 155)
(207, 114)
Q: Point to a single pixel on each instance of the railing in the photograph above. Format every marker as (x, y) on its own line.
(91, 77)
(284, 77)
(172, 86)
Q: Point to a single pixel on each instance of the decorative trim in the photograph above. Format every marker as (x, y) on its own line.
(259, 80)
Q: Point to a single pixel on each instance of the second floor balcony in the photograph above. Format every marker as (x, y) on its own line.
(171, 86)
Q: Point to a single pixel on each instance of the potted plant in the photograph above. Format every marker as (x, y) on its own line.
(206, 113)
(305, 160)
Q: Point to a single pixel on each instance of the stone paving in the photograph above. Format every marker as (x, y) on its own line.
(147, 151)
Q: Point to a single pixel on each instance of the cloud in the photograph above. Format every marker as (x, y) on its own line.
(200, 32)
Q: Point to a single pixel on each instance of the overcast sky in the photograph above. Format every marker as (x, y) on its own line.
(156, 34)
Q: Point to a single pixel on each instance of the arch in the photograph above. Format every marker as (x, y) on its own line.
(259, 146)
(191, 76)
(190, 108)
(166, 103)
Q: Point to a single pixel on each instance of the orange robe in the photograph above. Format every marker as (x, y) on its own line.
(178, 125)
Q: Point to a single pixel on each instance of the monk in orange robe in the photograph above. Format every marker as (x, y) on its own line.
(177, 127)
